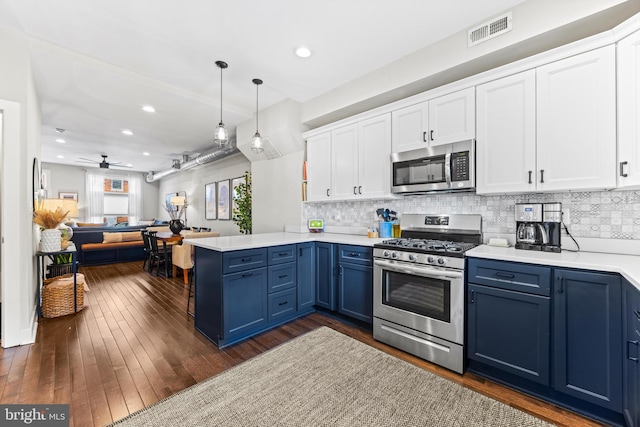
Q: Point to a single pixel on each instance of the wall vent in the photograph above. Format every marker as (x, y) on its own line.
(488, 30)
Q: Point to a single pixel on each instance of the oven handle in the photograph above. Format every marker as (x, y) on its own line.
(422, 271)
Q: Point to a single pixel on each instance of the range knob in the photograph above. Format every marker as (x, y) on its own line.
(394, 255)
(412, 257)
(386, 254)
(431, 259)
(442, 261)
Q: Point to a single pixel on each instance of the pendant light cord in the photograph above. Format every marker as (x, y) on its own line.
(221, 94)
(257, 126)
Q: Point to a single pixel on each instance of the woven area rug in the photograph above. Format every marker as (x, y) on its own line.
(325, 378)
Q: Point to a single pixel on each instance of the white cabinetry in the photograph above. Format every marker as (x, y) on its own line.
(552, 131)
(354, 161)
(629, 111)
(506, 140)
(576, 122)
(442, 120)
(319, 167)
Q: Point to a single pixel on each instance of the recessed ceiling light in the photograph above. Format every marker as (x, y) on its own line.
(127, 132)
(60, 156)
(129, 165)
(145, 154)
(149, 109)
(61, 141)
(303, 52)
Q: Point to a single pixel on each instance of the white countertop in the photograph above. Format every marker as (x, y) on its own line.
(627, 265)
(249, 241)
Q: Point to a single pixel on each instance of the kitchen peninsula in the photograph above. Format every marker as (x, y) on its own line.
(247, 284)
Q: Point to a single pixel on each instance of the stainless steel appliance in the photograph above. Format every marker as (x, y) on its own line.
(538, 226)
(448, 167)
(418, 286)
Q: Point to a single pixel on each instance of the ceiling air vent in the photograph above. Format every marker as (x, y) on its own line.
(489, 30)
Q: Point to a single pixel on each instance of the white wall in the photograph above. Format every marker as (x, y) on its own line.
(192, 181)
(67, 178)
(450, 59)
(21, 143)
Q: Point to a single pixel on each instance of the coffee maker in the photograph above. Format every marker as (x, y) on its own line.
(538, 226)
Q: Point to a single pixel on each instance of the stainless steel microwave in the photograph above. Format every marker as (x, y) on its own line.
(447, 167)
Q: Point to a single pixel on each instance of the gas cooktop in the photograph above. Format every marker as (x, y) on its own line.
(427, 246)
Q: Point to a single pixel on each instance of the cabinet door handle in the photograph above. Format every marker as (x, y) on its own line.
(530, 173)
(283, 303)
(541, 176)
(506, 275)
(424, 136)
(354, 190)
(247, 274)
(282, 276)
(353, 254)
(327, 192)
(340, 271)
(300, 251)
(622, 165)
(360, 189)
(283, 254)
(560, 284)
(473, 295)
(635, 359)
(245, 260)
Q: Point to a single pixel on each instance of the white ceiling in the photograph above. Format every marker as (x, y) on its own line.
(96, 63)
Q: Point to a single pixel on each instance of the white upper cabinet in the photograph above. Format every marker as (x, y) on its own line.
(629, 111)
(506, 135)
(576, 122)
(350, 162)
(374, 163)
(319, 167)
(344, 162)
(452, 117)
(410, 127)
(442, 120)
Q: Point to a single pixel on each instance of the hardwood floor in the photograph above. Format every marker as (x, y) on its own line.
(134, 344)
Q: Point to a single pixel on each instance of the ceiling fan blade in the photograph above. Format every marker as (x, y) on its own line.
(87, 160)
(119, 166)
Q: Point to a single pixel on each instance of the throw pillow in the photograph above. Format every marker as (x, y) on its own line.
(90, 224)
(131, 236)
(146, 222)
(111, 237)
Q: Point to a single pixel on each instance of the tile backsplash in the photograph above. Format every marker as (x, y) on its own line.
(605, 214)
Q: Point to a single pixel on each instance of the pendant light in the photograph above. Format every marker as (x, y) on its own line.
(256, 141)
(221, 137)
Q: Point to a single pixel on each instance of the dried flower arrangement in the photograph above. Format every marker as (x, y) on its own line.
(49, 219)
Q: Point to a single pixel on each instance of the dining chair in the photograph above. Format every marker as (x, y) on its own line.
(160, 255)
(147, 249)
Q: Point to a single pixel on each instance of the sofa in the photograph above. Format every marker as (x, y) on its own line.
(99, 245)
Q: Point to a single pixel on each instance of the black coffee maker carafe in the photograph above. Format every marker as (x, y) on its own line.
(538, 226)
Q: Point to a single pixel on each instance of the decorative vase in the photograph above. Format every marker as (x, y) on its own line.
(175, 225)
(50, 240)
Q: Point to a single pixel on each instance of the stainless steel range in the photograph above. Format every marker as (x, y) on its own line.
(418, 286)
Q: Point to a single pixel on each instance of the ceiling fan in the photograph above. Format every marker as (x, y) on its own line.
(103, 164)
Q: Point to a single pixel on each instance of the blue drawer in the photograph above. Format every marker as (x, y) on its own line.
(355, 254)
(531, 279)
(235, 261)
(282, 254)
(282, 276)
(282, 304)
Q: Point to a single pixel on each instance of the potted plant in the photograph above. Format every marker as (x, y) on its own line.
(242, 208)
(50, 240)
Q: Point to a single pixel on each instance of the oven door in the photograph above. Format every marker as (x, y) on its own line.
(424, 298)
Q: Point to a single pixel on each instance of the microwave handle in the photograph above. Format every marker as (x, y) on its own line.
(447, 168)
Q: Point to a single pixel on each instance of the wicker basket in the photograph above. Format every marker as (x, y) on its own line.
(57, 295)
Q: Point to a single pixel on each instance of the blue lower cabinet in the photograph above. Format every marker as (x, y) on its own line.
(587, 332)
(326, 271)
(282, 276)
(355, 291)
(282, 304)
(306, 276)
(510, 331)
(631, 356)
(245, 303)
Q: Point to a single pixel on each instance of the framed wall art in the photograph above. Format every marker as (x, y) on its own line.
(210, 203)
(224, 208)
(235, 182)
